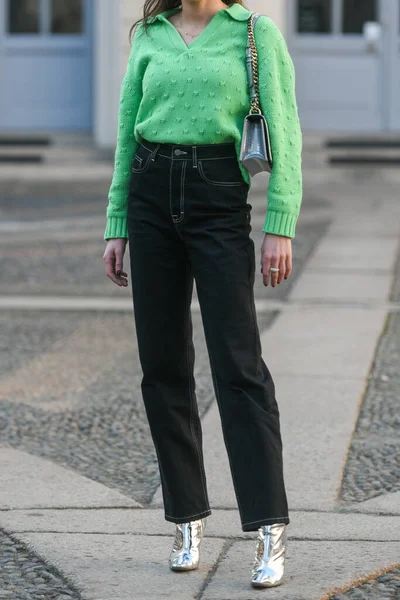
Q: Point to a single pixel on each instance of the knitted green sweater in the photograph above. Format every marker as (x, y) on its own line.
(198, 94)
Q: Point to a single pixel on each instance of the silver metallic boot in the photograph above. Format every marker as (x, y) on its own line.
(269, 562)
(185, 555)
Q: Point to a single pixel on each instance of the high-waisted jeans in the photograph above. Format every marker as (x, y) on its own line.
(189, 219)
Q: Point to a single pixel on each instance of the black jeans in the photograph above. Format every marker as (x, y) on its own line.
(188, 218)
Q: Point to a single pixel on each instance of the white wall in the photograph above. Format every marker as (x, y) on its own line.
(107, 78)
(272, 8)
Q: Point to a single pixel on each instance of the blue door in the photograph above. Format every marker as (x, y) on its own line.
(45, 65)
(340, 74)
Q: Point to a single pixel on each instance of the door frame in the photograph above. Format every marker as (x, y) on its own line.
(2, 54)
(391, 25)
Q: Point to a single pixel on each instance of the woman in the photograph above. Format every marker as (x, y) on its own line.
(179, 195)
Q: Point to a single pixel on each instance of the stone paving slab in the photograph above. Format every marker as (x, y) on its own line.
(310, 525)
(30, 482)
(355, 253)
(317, 421)
(343, 286)
(385, 504)
(366, 225)
(337, 343)
(112, 567)
(312, 569)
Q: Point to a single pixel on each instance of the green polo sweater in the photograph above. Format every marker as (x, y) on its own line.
(198, 94)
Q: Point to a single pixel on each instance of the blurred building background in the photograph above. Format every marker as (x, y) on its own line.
(62, 61)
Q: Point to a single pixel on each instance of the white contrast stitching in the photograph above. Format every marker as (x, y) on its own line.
(182, 198)
(263, 520)
(217, 183)
(190, 516)
(192, 399)
(223, 431)
(170, 188)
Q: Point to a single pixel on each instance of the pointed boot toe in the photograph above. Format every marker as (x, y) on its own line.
(269, 564)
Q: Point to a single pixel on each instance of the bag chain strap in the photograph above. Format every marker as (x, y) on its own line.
(255, 104)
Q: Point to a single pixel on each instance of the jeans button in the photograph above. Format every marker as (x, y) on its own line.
(177, 152)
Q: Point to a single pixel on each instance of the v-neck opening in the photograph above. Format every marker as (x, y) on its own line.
(207, 32)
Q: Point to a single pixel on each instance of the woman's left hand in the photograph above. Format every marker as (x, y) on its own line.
(276, 253)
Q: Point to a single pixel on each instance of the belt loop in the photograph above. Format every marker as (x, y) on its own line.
(194, 157)
(154, 153)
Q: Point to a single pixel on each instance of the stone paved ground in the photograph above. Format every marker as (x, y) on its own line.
(384, 587)
(61, 401)
(373, 466)
(23, 576)
(95, 422)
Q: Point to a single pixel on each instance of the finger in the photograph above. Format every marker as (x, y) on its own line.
(109, 263)
(282, 269)
(288, 266)
(110, 269)
(118, 263)
(123, 281)
(274, 274)
(266, 265)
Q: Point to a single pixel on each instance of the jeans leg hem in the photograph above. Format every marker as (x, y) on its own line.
(254, 526)
(177, 520)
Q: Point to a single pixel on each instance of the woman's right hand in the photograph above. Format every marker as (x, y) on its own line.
(114, 261)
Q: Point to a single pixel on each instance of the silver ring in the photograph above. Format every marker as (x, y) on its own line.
(273, 270)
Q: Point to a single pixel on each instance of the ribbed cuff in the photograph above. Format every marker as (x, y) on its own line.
(280, 223)
(116, 227)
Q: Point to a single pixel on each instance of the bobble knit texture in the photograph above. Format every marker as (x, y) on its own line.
(176, 94)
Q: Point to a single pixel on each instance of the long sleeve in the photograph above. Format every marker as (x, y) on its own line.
(130, 98)
(278, 102)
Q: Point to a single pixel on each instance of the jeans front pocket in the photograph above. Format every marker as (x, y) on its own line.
(221, 172)
(141, 161)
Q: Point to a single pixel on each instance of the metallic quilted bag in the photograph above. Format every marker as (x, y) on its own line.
(256, 153)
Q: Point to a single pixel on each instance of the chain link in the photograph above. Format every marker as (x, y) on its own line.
(255, 105)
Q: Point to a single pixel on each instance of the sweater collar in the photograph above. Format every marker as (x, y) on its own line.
(236, 11)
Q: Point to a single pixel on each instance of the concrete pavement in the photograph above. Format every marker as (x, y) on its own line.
(320, 349)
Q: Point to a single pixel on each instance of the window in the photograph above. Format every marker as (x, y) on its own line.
(24, 16)
(356, 13)
(46, 17)
(66, 16)
(314, 16)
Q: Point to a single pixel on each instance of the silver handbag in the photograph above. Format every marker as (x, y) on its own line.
(256, 153)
